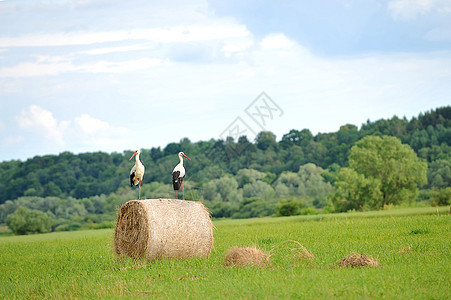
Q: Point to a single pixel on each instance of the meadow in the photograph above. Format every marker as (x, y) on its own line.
(412, 247)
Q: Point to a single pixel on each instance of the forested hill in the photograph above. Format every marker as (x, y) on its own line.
(89, 174)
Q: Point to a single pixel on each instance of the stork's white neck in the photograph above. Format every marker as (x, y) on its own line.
(181, 159)
(137, 157)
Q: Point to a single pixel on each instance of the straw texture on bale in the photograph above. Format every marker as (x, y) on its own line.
(157, 228)
(237, 256)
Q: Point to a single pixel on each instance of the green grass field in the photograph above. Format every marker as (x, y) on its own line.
(411, 245)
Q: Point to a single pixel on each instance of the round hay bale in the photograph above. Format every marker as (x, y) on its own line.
(157, 228)
(237, 256)
(358, 260)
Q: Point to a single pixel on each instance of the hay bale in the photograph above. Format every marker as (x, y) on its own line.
(358, 260)
(157, 228)
(237, 256)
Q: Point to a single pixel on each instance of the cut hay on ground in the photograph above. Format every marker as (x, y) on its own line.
(157, 228)
(299, 252)
(406, 249)
(237, 256)
(358, 260)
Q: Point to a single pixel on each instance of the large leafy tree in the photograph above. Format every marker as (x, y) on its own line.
(25, 221)
(388, 171)
(354, 191)
(439, 174)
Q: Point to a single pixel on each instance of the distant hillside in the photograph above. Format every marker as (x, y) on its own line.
(89, 174)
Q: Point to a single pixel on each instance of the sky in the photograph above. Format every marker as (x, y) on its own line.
(108, 75)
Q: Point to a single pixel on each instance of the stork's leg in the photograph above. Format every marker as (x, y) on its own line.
(183, 190)
(176, 194)
(140, 189)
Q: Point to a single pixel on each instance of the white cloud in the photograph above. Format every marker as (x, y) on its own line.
(110, 142)
(97, 134)
(276, 41)
(183, 34)
(91, 125)
(246, 74)
(439, 35)
(101, 51)
(176, 34)
(237, 46)
(85, 132)
(29, 69)
(407, 10)
(236, 37)
(44, 65)
(13, 140)
(42, 121)
(63, 39)
(123, 66)
(105, 67)
(53, 59)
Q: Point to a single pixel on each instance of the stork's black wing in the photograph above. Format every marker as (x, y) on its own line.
(132, 178)
(176, 182)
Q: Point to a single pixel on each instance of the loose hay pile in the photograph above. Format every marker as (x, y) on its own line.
(358, 260)
(299, 252)
(157, 228)
(406, 249)
(237, 256)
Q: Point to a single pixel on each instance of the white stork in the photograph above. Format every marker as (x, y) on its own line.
(137, 172)
(178, 174)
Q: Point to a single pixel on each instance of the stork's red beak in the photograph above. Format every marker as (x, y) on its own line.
(132, 156)
(186, 156)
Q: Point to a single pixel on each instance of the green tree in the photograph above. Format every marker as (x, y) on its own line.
(383, 164)
(296, 137)
(51, 189)
(245, 176)
(209, 191)
(222, 189)
(441, 197)
(255, 207)
(6, 209)
(331, 173)
(266, 139)
(313, 184)
(222, 209)
(287, 185)
(25, 221)
(258, 189)
(289, 207)
(439, 174)
(227, 187)
(354, 191)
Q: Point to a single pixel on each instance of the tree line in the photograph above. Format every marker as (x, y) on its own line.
(235, 179)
